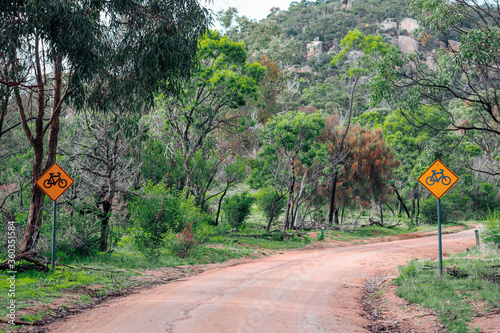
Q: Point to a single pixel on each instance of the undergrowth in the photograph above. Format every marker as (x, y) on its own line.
(470, 279)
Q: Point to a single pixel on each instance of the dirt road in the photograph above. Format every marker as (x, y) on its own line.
(306, 291)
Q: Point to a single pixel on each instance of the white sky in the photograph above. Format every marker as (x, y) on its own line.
(256, 9)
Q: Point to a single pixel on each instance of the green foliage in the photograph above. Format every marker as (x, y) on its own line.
(270, 202)
(491, 228)
(156, 212)
(295, 133)
(237, 208)
(147, 243)
(452, 298)
(183, 243)
(371, 46)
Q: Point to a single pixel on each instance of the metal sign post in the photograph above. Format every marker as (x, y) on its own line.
(438, 179)
(440, 242)
(54, 205)
(54, 182)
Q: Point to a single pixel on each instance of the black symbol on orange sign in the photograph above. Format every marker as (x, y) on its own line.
(435, 179)
(54, 180)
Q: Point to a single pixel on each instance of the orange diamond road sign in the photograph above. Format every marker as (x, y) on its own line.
(438, 179)
(54, 182)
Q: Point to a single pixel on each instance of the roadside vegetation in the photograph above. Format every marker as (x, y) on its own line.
(470, 286)
(209, 145)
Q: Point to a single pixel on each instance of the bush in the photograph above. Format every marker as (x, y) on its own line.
(491, 228)
(182, 244)
(157, 210)
(237, 208)
(265, 199)
(146, 242)
(428, 211)
(78, 234)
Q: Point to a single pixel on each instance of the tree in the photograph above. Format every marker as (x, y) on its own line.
(367, 173)
(101, 148)
(371, 48)
(90, 51)
(467, 71)
(204, 118)
(293, 136)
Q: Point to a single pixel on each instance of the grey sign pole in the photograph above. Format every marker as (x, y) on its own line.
(54, 237)
(440, 244)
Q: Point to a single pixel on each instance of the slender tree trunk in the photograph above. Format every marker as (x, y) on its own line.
(418, 210)
(402, 203)
(219, 206)
(271, 215)
(289, 205)
(341, 150)
(342, 216)
(332, 200)
(106, 212)
(301, 192)
(33, 225)
(381, 214)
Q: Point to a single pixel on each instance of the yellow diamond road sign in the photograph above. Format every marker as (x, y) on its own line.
(438, 179)
(54, 182)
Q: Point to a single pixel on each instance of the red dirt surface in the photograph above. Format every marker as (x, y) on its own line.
(318, 290)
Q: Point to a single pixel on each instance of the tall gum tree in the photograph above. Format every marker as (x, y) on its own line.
(372, 48)
(201, 120)
(95, 52)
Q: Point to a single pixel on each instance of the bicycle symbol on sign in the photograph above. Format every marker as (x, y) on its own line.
(445, 180)
(54, 180)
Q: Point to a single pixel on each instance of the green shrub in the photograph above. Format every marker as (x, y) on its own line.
(147, 243)
(157, 210)
(491, 230)
(265, 199)
(182, 244)
(237, 208)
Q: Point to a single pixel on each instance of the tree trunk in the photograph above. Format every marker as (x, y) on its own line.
(301, 192)
(332, 201)
(219, 206)
(418, 209)
(271, 215)
(381, 214)
(401, 203)
(289, 205)
(106, 212)
(33, 225)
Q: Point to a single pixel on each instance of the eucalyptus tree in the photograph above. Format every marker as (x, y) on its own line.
(102, 150)
(292, 138)
(369, 49)
(95, 52)
(204, 120)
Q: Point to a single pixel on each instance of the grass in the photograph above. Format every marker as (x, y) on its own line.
(463, 290)
(39, 288)
(119, 269)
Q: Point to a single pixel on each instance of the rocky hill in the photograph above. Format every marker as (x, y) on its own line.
(303, 39)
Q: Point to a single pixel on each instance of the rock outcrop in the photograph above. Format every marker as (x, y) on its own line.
(409, 25)
(346, 4)
(314, 49)
(454, 46)
(389, 26)
(407, 44)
